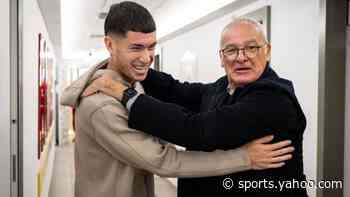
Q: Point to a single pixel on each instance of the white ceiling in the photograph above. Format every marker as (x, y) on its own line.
(75, 27)
(51, 11)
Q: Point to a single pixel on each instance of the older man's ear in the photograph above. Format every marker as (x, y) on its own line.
(221, 60)
(268, 52)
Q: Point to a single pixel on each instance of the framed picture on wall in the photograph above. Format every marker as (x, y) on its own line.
(189, 66)
(45, 93)
(41, 94)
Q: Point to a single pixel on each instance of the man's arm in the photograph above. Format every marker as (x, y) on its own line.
(164, 87)
(262, 110)
(145, 152)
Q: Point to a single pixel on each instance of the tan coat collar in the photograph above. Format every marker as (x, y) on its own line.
(71, 95)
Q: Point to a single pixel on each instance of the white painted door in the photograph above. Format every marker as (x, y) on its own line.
(9, 94)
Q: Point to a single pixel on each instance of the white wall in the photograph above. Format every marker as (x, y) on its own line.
(183, 12)
(5, 99)
(204, 43)
(347, 119)
(33, 24)
(295, 46)
(295, 49)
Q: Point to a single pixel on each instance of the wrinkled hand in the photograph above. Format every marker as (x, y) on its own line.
(107, 85)
(264, 156)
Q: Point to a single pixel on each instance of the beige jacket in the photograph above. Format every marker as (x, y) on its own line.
(113, 160)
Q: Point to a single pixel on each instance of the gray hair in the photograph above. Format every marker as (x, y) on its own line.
(243, 20)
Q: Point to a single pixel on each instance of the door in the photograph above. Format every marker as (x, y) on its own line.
(10, 121)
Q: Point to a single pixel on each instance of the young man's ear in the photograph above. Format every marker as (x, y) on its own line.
(108, 43)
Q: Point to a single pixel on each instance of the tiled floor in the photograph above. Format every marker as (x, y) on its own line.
(62, 184)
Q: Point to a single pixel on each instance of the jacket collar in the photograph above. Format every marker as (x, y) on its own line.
(268, 73)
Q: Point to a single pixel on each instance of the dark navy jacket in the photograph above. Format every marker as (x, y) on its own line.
(204, 117)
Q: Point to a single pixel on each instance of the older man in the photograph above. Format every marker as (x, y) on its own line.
(113, 160)
(249, 102)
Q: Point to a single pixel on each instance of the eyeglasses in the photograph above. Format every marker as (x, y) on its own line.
(231, 52)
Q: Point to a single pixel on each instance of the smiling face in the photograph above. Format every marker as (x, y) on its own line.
(243, 70)
(132, 55)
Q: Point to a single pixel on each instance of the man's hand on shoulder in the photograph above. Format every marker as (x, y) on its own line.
(106, 85)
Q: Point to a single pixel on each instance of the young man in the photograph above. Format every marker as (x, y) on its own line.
(114, 160)
(249, 102)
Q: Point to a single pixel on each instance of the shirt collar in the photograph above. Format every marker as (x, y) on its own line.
(230, 89)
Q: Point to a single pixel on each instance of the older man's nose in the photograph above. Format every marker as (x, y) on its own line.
(241, 56)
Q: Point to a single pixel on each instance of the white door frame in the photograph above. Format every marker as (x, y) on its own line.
(15, 96)
(5, 158)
